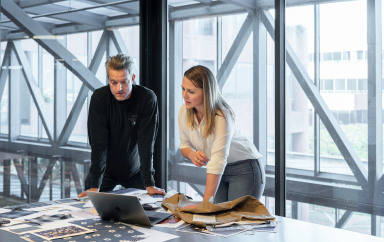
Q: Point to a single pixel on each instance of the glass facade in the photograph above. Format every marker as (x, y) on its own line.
(333, 98)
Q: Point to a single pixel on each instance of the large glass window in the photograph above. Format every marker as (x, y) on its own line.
(326, 103)
(330, 123)
(45, 87)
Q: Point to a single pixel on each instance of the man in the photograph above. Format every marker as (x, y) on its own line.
(122, 127)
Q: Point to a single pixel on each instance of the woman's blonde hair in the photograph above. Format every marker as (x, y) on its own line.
(213, 102)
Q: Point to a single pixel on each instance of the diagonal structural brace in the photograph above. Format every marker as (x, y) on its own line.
(330, 122)
(11, 10)
(34, 89)
(235, 51)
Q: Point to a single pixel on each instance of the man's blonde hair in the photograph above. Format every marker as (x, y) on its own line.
(119, 62)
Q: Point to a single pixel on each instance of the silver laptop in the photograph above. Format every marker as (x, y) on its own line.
(124, 208)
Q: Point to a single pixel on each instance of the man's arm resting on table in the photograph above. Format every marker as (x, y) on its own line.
(152, 190)
(84, 193)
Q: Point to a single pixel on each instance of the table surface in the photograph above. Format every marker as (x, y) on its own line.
(288, 230)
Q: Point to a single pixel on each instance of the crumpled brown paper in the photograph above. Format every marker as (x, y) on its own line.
(245, 209)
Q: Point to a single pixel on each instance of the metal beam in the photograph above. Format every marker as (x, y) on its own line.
(109, 24)
(67, 15)
(32, 28)
(14, 99)
(73, 116)
(280, 152)
(218, 8)
(32, 3)
(4, 70)
(23, 182)
(375, 125)
(204, 1)
(73, 28)
(260, 85)
(83, 93)
(130, 7)
(44, 179)
(122, 22)
(45, 150)
(76, 178)
(203, 10)
(245, 4)
(175, 79)
(122, 48)
(235, 51)
(74, 10)
(34, 89)
(344, 219)
(153, 72)
(60, 96)
(329, 195)
(330, 122)
(337, 194)
(316, 119)
(200, 189)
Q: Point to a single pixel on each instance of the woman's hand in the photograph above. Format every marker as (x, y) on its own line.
(198, 158)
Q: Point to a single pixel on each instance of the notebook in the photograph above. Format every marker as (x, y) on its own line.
(124, 208)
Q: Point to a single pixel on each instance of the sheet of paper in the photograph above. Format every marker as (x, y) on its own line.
(209, 219)
(135, 193)
(57, 232)
(171, 222)
(191, 228)
(146, 198)
(150, 235)
(88, 204)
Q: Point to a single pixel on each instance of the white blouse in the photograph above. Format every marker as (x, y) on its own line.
(225, 145)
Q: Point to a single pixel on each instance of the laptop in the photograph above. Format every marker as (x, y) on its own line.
(124, 208)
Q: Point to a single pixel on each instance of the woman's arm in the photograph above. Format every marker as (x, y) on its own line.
(211, 185)
(197, 157)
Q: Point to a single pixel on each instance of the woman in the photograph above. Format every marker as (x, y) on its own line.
(209, 136)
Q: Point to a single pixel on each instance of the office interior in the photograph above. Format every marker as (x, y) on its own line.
(304, 78)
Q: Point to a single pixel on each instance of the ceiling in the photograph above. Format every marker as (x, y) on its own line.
(60, 17)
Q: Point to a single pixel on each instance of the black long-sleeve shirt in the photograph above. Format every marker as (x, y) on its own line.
(122, 134)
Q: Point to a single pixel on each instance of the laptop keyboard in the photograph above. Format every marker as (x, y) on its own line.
(152, 219)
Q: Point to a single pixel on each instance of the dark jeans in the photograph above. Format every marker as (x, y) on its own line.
(246, 177)
(110, 182)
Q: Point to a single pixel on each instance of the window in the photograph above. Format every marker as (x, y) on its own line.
(360, 55)
(336, 56)
(328, 85)
(327, 56)
(362, 85)
(340, 85)
(346, 55)
(351, 85)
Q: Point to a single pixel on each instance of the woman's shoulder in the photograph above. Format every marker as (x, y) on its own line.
(226, 114)
(182, 111)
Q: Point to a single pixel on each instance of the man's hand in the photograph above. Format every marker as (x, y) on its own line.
(152, 190)
(83, 194)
